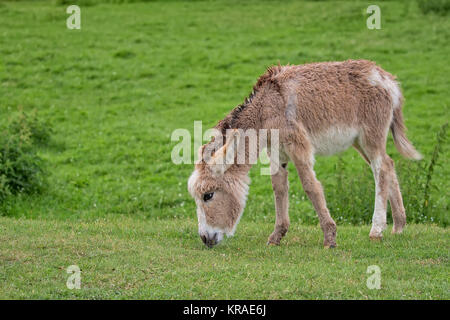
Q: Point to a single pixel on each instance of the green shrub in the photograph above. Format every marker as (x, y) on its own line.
(441, 7)
(21, 169)
(39, 131)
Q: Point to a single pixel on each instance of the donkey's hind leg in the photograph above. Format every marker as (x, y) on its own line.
(373, 146)
(395, 196)
(396, 201)
(380, 168)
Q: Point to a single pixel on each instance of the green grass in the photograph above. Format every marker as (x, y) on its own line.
(114, 91)
(124, 257)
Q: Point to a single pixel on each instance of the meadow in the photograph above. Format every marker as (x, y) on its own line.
(110, 95)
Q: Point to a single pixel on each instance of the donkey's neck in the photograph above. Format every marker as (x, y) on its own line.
(248, 118)
(249, 115)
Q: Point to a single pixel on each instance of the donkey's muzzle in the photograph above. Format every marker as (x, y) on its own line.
(210, 240)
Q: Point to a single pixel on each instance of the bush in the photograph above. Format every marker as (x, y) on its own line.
(441, 7)
(421, 205)
(21, 169)
(39, 131)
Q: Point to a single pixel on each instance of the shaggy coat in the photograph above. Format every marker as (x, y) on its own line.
(319, 109)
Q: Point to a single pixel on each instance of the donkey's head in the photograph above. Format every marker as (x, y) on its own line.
(219, 188)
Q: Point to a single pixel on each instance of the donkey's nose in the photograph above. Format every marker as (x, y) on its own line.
(209, 239)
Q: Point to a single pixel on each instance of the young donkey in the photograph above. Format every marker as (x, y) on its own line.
(318, 108)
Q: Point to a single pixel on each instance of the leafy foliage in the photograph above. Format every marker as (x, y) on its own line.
(21, 168)
(31, 126)
(441, 7)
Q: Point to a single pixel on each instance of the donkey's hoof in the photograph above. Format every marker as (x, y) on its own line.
(330, 242)
(376, 237)
(376, 234)
(274, 239)
(273, 242)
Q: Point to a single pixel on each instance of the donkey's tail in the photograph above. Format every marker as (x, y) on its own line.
(403, 145)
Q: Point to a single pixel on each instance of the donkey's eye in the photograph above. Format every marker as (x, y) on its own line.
(208, 196)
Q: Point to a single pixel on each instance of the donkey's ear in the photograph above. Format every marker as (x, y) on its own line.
(223, 158)
(200, 154)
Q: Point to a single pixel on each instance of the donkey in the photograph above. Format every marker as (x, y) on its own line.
(318, 109)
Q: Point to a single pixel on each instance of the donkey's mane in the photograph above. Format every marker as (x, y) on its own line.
(230, 119)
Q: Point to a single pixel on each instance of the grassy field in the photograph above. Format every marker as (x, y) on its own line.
(116, 205)
(124, 257)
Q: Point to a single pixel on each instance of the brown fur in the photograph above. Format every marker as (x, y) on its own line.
(318, 108)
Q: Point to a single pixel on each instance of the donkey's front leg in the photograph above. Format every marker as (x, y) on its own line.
(313, 188)
(280, 187)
